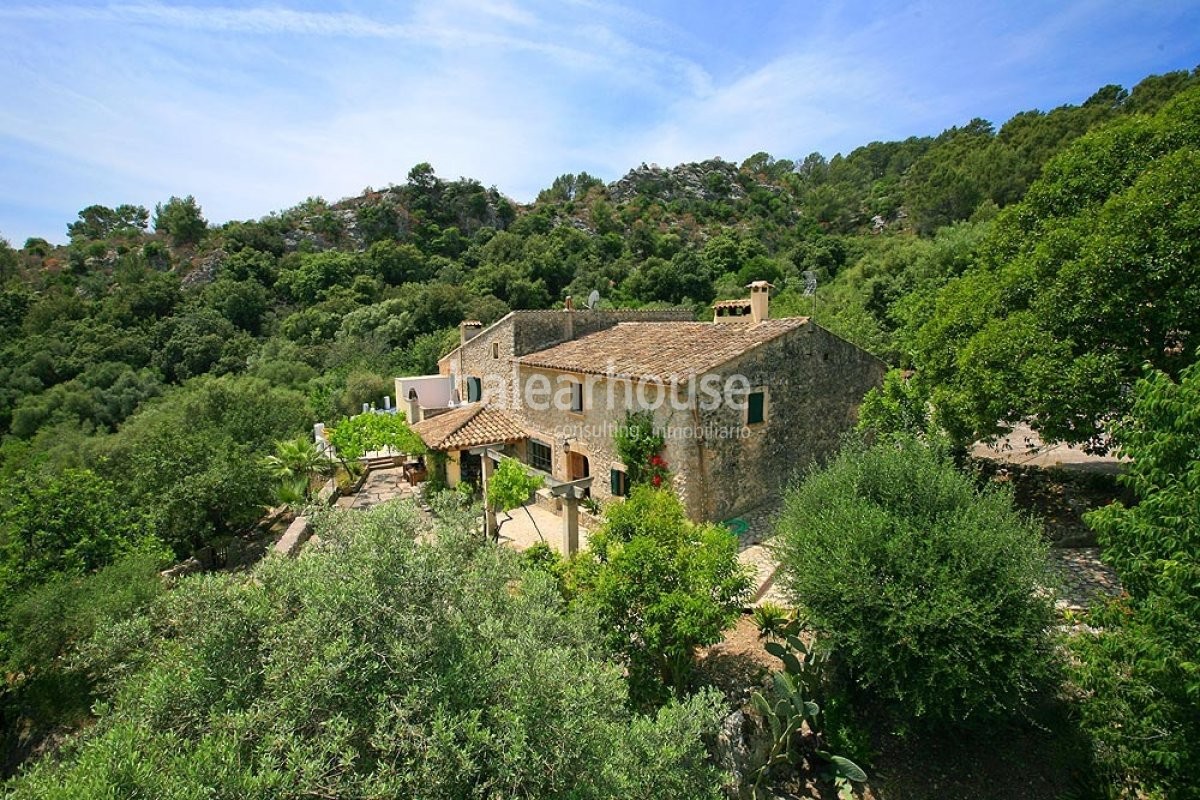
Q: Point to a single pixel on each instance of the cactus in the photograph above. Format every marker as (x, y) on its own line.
(791, 711)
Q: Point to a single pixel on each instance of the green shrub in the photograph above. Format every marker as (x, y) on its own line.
(45, 626)
(662, 587)
(376, 665)
(929, 590)
(1139, 672)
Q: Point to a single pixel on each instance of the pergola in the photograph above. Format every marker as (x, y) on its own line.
(570, 492)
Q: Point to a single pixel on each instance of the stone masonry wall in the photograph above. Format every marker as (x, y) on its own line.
(591, 432)
(814, 383)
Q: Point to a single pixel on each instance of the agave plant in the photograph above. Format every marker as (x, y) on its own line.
(772, 620)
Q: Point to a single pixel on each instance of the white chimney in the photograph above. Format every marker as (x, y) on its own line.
(760, 301)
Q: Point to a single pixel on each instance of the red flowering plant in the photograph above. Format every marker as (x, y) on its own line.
(640, 446)
(656, 470)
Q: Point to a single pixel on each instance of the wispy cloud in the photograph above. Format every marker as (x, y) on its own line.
(240, 20)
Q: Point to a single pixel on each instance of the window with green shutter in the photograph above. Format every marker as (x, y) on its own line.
(474, 389)
(619, 483)
(756, 408)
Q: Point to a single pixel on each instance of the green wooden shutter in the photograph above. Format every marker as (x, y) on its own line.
(754, 414)
(614, 478)
(473, 389)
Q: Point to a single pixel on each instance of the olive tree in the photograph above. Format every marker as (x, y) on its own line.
(377, 664)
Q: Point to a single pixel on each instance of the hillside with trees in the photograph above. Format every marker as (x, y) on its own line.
(1042, 271)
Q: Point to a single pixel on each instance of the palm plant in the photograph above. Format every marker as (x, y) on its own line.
(292, 491)
(295, 463)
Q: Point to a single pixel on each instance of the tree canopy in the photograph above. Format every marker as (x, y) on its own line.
(1095, 273)
(374, 665)
(370, 431)
(1139, 671)
(180, 218)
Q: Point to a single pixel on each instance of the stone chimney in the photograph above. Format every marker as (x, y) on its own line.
(760, 301)
(468, 329)
(413, 402)
(731, 311)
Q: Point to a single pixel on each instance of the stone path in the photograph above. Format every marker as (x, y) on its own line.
(380, 486)
(760, 526)
(520, 532)
(1082, 577)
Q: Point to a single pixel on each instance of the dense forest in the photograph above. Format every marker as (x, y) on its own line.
(1030, 272)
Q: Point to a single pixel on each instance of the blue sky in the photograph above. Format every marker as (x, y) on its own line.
(253, 107)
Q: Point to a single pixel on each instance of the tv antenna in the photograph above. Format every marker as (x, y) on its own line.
(593, 299)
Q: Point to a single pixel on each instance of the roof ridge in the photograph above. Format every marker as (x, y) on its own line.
(661, 347)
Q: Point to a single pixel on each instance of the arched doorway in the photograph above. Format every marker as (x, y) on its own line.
(578, 467)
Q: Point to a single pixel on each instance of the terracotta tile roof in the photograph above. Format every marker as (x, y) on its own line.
(469, 426)
(660, 349)
(731, 304)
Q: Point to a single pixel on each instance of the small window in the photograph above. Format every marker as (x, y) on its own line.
(619, 483)
(540, 456)
(756, 408)
(474, 389)
(495, 349)
(577, 398)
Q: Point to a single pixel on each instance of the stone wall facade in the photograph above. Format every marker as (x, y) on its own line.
(812, 382)
(590, 433)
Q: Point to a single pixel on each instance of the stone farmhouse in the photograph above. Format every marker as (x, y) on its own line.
(744, 401)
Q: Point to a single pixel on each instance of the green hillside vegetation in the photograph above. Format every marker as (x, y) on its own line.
(150, 365)
(376, 667)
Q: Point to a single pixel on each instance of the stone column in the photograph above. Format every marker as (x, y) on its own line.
(570, 523)
(490, 529)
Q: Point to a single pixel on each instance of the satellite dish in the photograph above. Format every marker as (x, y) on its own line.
(593, 299)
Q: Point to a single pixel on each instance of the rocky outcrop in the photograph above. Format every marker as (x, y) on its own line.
(204, 269)
(329, 229)
(715, 179)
